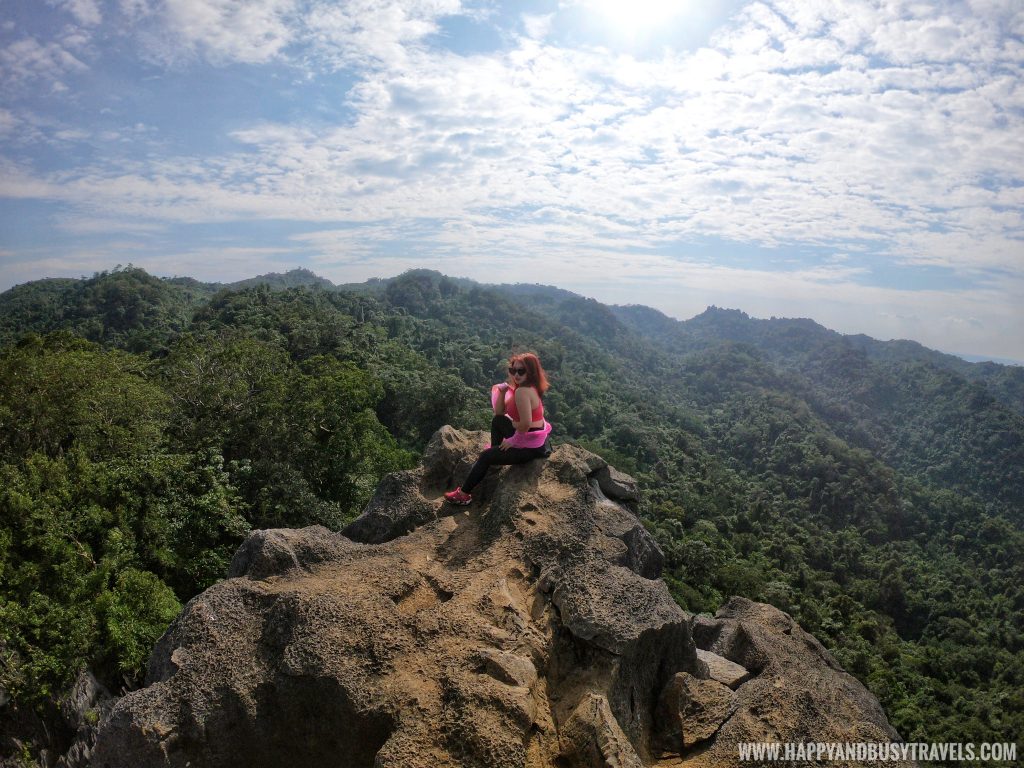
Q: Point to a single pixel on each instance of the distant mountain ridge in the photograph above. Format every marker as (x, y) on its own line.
(731, 324)
(792, 341)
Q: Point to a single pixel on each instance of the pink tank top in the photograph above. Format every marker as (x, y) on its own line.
(513, 412)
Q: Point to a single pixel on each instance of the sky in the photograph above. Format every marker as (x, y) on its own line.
(858, 162)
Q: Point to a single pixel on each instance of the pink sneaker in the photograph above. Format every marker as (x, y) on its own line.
(458, 496)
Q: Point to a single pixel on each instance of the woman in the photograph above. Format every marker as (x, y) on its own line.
(518, 429)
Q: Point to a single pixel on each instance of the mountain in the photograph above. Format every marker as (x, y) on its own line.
(124, 307)
(791, 341)
(870, 490)
(930, 415)
(531, 630)
(294, 278)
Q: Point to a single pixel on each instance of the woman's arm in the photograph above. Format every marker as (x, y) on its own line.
(498, 398)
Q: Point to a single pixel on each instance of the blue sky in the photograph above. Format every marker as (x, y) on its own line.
(857, 162)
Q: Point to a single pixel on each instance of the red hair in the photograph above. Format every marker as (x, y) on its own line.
(535, 376)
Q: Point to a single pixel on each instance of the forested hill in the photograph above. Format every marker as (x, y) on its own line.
(795, 343)
(871, 489)
(936, 417)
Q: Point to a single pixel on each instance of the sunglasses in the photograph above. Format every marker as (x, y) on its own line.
(517, 371)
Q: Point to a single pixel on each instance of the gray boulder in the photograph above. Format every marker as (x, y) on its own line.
(795, 692)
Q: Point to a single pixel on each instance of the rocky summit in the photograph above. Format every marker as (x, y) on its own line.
(528, 629)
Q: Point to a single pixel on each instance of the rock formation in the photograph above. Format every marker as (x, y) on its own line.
(529, 629)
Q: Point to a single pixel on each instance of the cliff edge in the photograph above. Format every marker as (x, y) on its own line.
(529, 629)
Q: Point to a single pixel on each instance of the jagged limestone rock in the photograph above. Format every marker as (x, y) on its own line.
(724, 671)
(396, 508)
(498, 635)
(83, 707)
(276, 552)
(796, 692)
(633, 547)
(692, 711)
(592, 738)
(508, 668)
(617, 485)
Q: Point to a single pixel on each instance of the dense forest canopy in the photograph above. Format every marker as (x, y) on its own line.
(871, 489)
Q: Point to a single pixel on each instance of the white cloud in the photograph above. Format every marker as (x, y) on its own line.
(537, 26)
(270, 134)
(321, 33)
(8, 122)
(133, 10)
(86, 225)
(27, 59)
(18, 183)
(372, 31)
(85, 12)
(249, 31)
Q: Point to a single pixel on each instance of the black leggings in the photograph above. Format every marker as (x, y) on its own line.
(501, 429)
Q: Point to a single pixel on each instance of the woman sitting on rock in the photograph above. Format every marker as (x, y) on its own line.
(518, 429)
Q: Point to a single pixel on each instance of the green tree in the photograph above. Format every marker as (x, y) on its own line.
(60, 391)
